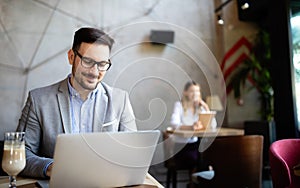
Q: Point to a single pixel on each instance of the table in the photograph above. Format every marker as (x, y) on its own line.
(149, 182)
(218, 132)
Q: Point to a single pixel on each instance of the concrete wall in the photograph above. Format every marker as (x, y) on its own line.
(36, 34)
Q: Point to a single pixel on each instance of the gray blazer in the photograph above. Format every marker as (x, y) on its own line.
(47, 114)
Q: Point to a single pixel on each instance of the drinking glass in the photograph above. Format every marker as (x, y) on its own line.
(13, 161)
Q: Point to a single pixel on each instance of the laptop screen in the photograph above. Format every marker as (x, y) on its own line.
(104, 159)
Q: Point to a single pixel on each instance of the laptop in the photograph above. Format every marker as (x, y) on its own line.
(206, 117)
(103, 159)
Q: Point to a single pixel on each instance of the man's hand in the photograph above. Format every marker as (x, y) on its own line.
(49, 170)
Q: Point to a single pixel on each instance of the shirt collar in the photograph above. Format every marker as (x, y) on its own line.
(74, 93)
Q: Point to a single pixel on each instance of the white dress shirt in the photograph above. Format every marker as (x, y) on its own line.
(179, 117)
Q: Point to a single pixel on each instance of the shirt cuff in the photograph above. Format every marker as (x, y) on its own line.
(46, 167)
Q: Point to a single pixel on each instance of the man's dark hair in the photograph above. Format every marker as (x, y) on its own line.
(91, 35)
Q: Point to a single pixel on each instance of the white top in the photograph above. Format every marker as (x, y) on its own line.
(179, 118)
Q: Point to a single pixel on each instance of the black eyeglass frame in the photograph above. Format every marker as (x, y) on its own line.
(98, 63)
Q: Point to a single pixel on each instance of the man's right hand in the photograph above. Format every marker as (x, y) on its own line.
(49, 170)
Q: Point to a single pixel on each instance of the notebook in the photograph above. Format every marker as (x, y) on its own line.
(104, 159)
(206, 117)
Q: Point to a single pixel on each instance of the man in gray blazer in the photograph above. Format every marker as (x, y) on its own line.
(79, 103)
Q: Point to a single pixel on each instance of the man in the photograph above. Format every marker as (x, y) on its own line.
(80, 103)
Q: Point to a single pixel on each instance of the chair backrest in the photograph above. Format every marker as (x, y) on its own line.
(267, 130)
(167, 145)
(284, 155)
(236, 160)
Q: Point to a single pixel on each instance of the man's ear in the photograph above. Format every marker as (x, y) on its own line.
(71, 56)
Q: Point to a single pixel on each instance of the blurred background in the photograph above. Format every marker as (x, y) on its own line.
(35, 36)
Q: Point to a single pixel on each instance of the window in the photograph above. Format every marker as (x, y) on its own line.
(295, 32)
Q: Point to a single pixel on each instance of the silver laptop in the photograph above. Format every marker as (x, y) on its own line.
(106, 159)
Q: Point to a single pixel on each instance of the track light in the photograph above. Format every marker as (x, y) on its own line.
(220, 20)
(245, 6)
(222, 5)
(219, 8)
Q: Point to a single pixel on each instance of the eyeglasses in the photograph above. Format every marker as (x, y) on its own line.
(87, 62)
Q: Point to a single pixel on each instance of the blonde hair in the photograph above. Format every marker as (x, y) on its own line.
(185, 99)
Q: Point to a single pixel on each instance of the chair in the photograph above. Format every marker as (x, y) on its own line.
(171, 164)
(236, 162)
(267, 130)
(284, 155)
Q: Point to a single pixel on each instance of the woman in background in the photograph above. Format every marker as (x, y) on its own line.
(185, 117)
(186, 112)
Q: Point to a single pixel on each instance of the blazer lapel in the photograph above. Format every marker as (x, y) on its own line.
(64, 105)
(100, 109)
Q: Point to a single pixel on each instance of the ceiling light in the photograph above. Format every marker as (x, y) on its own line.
(220, 20)
(245, 6)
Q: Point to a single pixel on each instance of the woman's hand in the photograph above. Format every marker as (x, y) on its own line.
(198, 126)
(202, 103)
